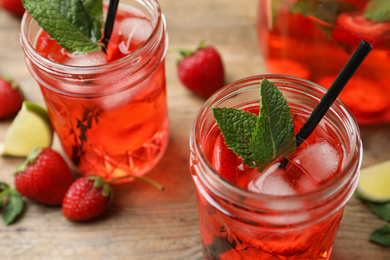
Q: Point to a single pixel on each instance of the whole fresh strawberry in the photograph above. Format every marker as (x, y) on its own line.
(15, 7)
(44, 177)
(201, 71)
(11, 98)
(87, 198)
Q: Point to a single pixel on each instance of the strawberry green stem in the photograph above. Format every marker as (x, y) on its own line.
(187, 53)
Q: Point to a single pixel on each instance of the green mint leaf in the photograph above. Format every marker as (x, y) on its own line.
(3, 186)
(14, 207)
(378, 11)
(259, 139)
(324, 10)
(382, 210)
(381, 235)
(237, 127)
(68, 21)
(4, 191)
(274, 133)
(94, 8)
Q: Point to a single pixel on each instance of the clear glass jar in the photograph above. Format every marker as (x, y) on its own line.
(111, 118)
(236, 223)
(314, 43)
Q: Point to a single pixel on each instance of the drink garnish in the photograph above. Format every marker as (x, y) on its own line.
(323, 10)
(259, 140)
(75, 24)
(350, 24)
(378, 11)
(327, 11)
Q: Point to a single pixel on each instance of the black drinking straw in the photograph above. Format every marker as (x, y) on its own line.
(110, 20)
(334, 90)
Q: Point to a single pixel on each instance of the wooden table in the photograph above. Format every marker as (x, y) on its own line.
(145, 223)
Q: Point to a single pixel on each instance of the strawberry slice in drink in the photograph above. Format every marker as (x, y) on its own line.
(128, 35)
(50, 49)
(225, 161)
(352, 28)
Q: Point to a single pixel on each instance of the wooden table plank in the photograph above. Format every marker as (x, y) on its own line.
(145, 223)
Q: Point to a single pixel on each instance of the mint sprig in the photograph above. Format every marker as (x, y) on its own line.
(380, 235)
(11, 203)
(259, 140)
(323, 10)
(75, 24)
(378, 11)
(328, 10)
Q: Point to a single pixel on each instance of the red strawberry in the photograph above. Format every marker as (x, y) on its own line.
(44, 177)
(15, 7)
(225, 161)
(352, 28)
(11, 97)
(114, 52)
(87, 198)
(50, 48)
(201, 71)
(117, 50)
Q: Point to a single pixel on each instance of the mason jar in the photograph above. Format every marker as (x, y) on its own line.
(111, 117)
(238, 222)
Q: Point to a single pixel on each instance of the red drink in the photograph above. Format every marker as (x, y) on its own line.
(292, 210)
(316, 47)
(109, 111)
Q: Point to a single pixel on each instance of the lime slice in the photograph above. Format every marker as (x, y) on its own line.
(30, 128)
(374, 183)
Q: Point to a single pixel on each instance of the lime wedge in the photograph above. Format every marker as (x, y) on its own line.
(30, 128)
(374, 183)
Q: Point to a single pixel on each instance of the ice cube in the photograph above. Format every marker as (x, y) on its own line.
(284, 177)
(320, 159)
(135, 29)
(89, 59)
(272, 182)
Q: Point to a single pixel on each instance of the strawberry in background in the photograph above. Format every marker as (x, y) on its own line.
(44, 177)
(11, 97)
(86, 198)
(14, 7)
(201, 71)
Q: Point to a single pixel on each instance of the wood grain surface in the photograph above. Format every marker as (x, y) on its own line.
(145, 223)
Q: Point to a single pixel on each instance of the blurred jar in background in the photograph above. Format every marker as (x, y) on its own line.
(313, 39)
